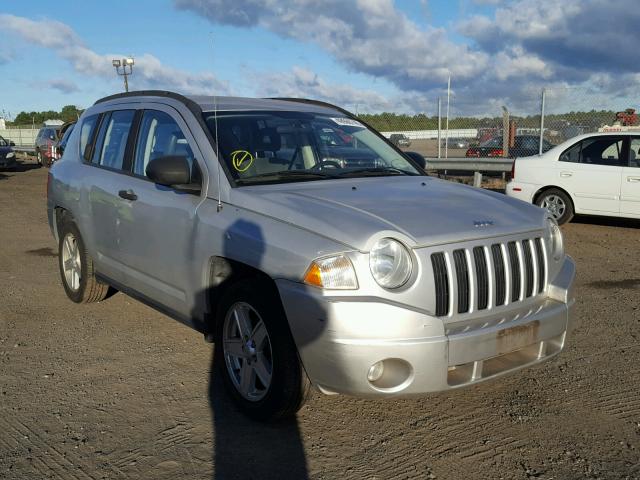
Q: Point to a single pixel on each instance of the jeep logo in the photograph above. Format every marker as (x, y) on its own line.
(482, 223)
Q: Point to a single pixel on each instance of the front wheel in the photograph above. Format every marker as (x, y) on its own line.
(39, 157)
(257, 355)
(557, 203)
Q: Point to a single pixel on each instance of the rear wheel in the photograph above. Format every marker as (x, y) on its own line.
(257, 355)
(39, 157)
(76, 268)
(557, 203)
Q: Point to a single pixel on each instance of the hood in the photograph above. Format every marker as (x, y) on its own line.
(426, 211)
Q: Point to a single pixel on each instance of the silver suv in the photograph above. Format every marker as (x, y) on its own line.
(306, 246)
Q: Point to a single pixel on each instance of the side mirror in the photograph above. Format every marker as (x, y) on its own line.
(170, 171)
(12, 144)
(416, 157)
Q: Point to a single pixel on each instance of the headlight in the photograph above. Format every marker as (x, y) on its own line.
(11, 155)
(335, 273)
(390, 263)
(555, 237)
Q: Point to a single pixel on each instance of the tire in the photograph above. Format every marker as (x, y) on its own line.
(76, 267)
(39, 157)
(557, 203)
(244, 364)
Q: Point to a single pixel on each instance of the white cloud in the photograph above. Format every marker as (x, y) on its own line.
(149, 71)
(304, 83)
(368, 36)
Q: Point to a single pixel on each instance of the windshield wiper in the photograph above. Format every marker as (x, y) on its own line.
(374, 171)
(285, 174)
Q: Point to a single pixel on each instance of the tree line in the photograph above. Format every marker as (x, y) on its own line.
(68, 113)
(386, 122)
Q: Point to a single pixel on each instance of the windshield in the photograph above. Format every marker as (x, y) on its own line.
(495, 142)
(3, 142)
(280, 146)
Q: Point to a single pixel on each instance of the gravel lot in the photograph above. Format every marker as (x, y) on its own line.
(117, 390)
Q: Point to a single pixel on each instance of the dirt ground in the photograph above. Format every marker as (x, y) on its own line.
(116, 390)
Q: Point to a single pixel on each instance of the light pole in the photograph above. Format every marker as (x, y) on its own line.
(121, 69)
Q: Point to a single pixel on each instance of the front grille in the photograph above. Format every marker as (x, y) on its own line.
(485, 277)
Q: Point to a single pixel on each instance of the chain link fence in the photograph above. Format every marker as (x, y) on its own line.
(508, 130)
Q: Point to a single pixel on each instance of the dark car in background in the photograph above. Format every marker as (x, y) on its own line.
(524, 146)
(458, 143)
(400, 140)
(45, 142)
(7, 155)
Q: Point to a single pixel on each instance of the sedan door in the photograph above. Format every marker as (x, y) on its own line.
(590, 171)
(630, 188)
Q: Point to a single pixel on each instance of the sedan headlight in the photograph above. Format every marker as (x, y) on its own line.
(390, 263)
(334, 273)
(11, 155)
(556, 240)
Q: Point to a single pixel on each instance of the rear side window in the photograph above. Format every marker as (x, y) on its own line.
(86, 134)
(159, 135)
(596, 151)
(112, 139)
(634, 153)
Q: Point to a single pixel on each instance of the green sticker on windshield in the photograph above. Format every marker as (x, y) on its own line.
(241, 160)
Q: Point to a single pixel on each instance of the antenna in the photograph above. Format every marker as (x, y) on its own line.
(215, 122)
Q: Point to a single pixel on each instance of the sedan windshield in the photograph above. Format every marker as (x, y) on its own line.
(281, 146)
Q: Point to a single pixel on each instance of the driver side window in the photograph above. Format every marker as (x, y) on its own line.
(160, 136)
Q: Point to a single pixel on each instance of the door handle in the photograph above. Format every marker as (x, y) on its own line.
(566, 174)
(633, 179)
(127, 195)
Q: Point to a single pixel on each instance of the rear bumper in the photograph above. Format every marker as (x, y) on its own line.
(339, 340)
(522, 191)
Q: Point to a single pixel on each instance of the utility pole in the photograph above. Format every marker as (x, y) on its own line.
(541, 121)
(446, 133)
(124, 68)
(505, 132)
(439, 126)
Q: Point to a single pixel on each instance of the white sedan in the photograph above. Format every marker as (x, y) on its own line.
(592, 174)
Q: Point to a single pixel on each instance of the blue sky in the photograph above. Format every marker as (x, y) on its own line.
(370, 55)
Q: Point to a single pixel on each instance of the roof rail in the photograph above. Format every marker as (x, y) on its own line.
(147, 93)
(313, 102)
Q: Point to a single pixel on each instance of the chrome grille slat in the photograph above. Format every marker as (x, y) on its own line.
(484, 277)
(514, 263)
(462, 277)
(528, 268)
(441, 278)
(500, 275)
(542, 269)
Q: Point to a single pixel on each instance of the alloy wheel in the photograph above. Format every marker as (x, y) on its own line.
(555, 205)
(247, 351)
(71, 263)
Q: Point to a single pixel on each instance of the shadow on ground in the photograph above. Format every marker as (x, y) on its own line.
(607, 221)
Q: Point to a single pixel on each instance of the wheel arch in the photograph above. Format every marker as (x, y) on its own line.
(540, 191)
(60, 215)
(223, 272)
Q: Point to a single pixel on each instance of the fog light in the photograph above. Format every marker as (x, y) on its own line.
(375, 371)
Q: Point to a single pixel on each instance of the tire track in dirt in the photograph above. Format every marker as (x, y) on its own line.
(47, 457)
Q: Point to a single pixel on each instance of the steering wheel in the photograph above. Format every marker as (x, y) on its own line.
(325, 163)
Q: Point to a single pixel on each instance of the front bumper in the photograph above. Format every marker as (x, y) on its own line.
(340, 338)
(8, 162)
